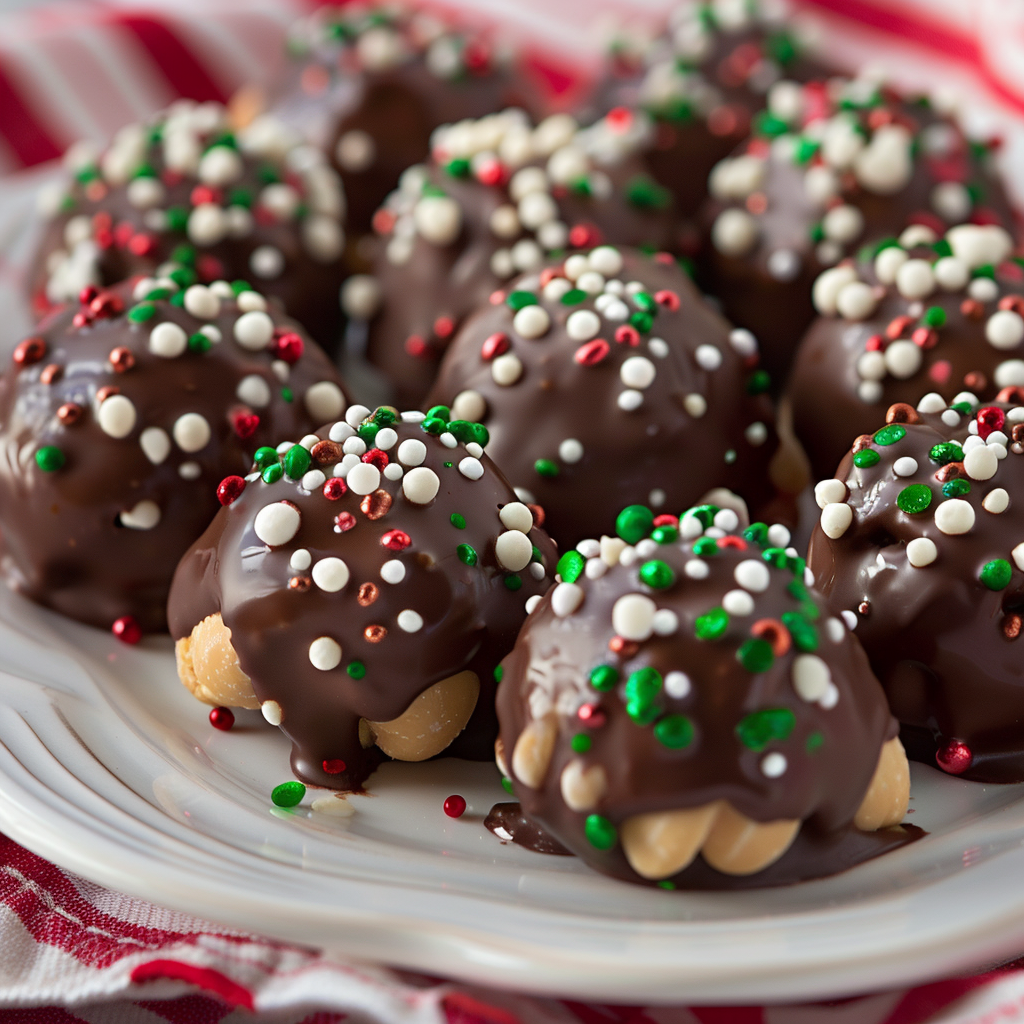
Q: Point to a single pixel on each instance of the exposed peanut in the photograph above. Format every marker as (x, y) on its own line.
(885, 802)
(208, 666)
(738, 845)
(582, 787)
(659, 844)
(499, 757)
(533, 750)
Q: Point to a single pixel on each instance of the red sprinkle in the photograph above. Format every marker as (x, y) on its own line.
(876, 343)
(29, 351)
(924, 337)
(87, 294)
(990, 418)
(730, 541)
(376, 457)
(1012, 302)
(209, 268)
(592, 716)
(444, 327)
(455, 806)
(667, 299)
(289, 347)
(244, 423)
(666, 519)
(591, 353)
(897, 326)
(954, 757)
(417, 347)
(222, 718)
(121, 359)
(334, 766)
(335, 488)
(127, 629)
(230, 489)
(141, 245)
(583, 236)
(972, 309)
(106, 304)
(496, 298)
(383, 222)
(619, 118)
(396, 540)
(627, 335)
(344, 521)
(205, 194)
(495, 345)
(490, 172)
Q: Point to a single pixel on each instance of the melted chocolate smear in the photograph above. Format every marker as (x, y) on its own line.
(813, 854)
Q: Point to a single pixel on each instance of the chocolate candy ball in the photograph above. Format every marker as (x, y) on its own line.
(830, 166)
(121, 415)
(189, 195)
(608, 381)
(370, 86)
(497, 199)
(921, 314)
(361, 590)
(682, 709)
(920, 549)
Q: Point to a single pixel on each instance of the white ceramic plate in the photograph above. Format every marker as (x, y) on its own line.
(109, 768)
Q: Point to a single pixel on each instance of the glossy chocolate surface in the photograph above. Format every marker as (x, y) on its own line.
(452, 607)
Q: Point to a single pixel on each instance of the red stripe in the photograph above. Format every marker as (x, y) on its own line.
(915, 29)
(186, 76)
(205, 978)
(23, 131)
(187, 1009)
(39, 1015)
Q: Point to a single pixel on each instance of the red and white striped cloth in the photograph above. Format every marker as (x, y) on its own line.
(71, 951)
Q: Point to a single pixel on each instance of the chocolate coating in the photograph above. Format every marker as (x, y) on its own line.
(660, 411)
(521, 195)
(65, 539)
(465, 608)
(830, 166)
(909, 335)
(941, 639)
(706, 724)
(370, 87)
(188, 190)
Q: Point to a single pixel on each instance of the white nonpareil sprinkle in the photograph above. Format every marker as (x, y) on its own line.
(836, 518)
(277, 523)
(272, 712)
(386, 439)
(727, 520)
(752, 575)
(921, 551)
(144, 516)
(743, 341)
(532, 602)
(393, 471)
(330, 574)
(697, 569)
(773, 765)
(438, 219)
(324, 401)
(513, 550)
(856, 301)
(778, 535)
(471, 468)
(325, 653)
(981, 462)
(915, 280)
(449, 440)
(410, 621)
(708, 357)
(695, 405)
(469, 405)
(1004, 329)
(905, 466)
(254, 391)
(167, 340)
(565, 599)
(254, 330)
(996, 501)
(516, 516)
(412, 452)
(637, 372)
(191, 432)
(633, 617)
(356, 414)
(301, 560)
(630, 400)
(116, 416)
(954, 516)
(354, 446)
(583, 325)
(677, 685)
(834, 630)
(155, 444)
(666, 622)
(392, 571)
(931, 403)
(363, 479)
(201, 302)
(531, 322)
(506, 369)
(826, 492)
(420, 485)
(738, 602)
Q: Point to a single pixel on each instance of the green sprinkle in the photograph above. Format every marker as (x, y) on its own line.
(914, 499)
(288, 794)
(665, 534)
(448, 465)
(184, 254)
(712, 625)
(356, 669)
(756, 655)
(996, 574)
(385, 416)
(513, 582)
(156, 294)
(756, 533)
(177, 218)
(520, 300)
(657, 574)
(142, 312)
(705, 547)
(440, 412)
(458, 168)
(757, 730)
(368, 432)
(866, 458)
(570, 566)
(759, 382)
(546, 468)
(934, 316)
(296, 461)
(890, 434)
(499, 673)
(573, 297)
(286, 394)
(50, 458)
(634, 523)
(666, 884)
(955, 488)
(240, 197)
(466, 554)
(434, 425)
(467, 432)
(814, 742)
(674, 732)
(581, 743)
(706, 514)
(770, 126)
(643, 322)
(946, 452)
(240, 286)
(264, 457)
(273, 473)
(645, 301)
(600, 832)
(199, 343)
(964, 408)
(506, 784)
(776, 557)
(604, 678)
(459, 522)
(177, 299)
(797, 589)
(804, 634)
(645, 193)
